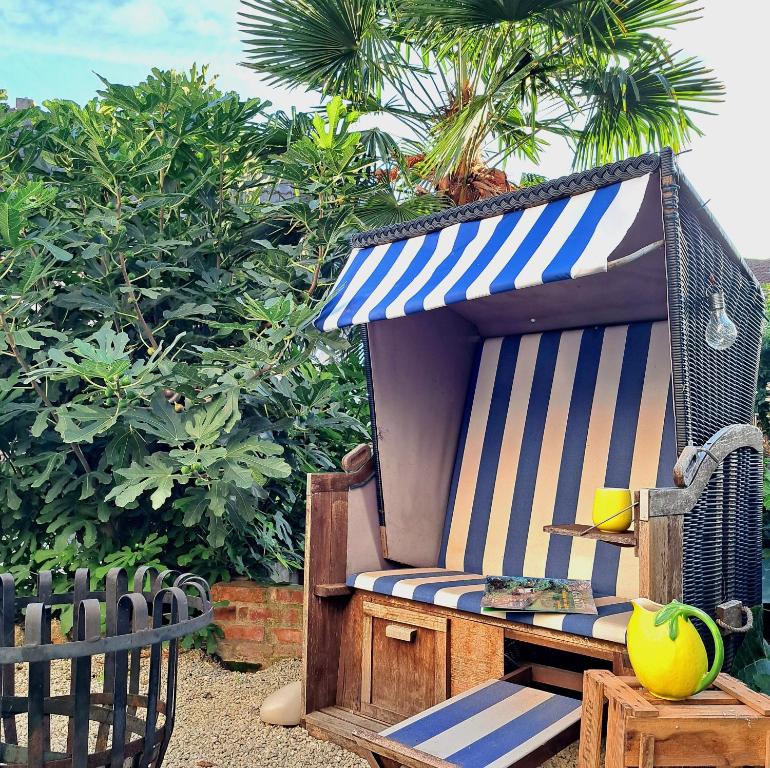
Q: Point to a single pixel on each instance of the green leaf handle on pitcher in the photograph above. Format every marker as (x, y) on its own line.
(672, 612)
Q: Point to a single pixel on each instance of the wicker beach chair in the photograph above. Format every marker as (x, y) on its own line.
(521, 352)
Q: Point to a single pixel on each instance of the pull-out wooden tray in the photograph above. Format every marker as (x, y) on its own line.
(494, 725)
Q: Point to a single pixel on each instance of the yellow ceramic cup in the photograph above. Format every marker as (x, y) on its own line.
(608, 502)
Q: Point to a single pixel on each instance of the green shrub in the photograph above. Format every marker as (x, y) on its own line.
(163, 250)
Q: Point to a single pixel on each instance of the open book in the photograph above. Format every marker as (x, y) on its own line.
(538, 595)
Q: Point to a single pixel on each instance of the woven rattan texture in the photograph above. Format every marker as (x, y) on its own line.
(528, 197)
(720, 386)
(722, 535)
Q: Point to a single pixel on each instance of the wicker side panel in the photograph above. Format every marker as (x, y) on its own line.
(722, 535)
(718, 388)
(743, 485)
(723, 542)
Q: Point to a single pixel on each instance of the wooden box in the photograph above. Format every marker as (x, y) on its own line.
(727, 725)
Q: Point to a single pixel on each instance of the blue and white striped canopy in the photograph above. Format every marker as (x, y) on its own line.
(564, 239)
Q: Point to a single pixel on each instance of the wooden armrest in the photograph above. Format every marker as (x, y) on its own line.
(332, 590)
(359, 469)
(694, 469)
(356, 459)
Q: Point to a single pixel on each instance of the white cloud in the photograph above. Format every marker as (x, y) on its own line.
(140, 17)
(139, 25)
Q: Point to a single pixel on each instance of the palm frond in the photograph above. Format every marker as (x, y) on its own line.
(385, 208)
(378, 144)
(626, 27)
(647, 104)
(471, 14)
(338, 47)
(531, 179)
(467, 76)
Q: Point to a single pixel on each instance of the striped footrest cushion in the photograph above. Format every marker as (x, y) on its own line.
(463, 591)
(494, 725)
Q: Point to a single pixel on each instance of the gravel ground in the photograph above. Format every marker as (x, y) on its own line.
(218, 725)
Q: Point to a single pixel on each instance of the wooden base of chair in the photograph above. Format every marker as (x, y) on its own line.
(439, 652)
(337, 725)
(378, 752)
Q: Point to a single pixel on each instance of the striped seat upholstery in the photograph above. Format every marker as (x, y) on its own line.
(463, 591)
(491, 726)
(549, 418)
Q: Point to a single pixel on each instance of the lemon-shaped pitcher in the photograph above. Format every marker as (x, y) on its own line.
(666, 651)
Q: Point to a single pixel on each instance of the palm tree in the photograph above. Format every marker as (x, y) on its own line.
(476, 82)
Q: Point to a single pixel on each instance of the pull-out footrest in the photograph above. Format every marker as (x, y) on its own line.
(495, 725)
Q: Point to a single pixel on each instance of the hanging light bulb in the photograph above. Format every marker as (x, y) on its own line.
(721, 332)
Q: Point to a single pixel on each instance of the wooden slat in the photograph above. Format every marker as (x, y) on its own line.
(477, 654)
(616, 730)
(660, 558)
(630, 697)
(355, 719)
(349, 671)
(367, 636)
(322, 725)
(591, 718)
(412, 758)
(556, 677)
(620, 539)
(704, 697)
(708, 712)
(441, 667)
(646, 751)
(744, 694)
(332, 590)
(325, 557)
(405, 616)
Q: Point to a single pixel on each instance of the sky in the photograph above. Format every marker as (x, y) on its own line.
(53, 48)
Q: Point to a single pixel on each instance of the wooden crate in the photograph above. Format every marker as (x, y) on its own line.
(727, 725)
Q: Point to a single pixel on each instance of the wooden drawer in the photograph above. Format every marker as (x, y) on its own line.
(403, 662)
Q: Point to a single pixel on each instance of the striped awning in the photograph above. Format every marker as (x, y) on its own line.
(560, 240)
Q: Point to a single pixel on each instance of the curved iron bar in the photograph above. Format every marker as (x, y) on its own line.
(133, 721)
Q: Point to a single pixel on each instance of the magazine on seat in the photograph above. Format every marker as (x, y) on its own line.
(538, 595)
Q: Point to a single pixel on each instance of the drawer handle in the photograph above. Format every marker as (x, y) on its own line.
(400, 632)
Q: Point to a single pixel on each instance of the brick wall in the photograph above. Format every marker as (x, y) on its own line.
(261, 623)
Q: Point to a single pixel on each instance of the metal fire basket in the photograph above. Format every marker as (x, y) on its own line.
(130, 720)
